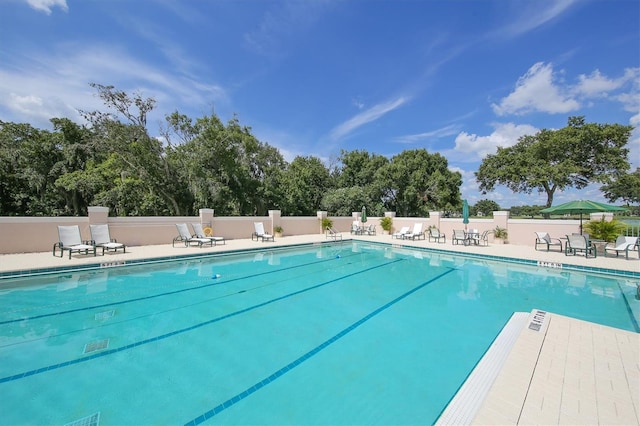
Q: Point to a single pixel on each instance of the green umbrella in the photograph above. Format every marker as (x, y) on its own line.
(582, 206)
(364, 214)
(465, 213)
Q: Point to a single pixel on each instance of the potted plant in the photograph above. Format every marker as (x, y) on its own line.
(500, 235)
(604, 230)
(386, 223)
(277, 230)
(326, 223)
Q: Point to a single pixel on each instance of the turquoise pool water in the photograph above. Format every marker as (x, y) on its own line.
(347, 333)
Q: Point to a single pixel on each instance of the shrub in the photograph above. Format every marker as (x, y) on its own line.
(604, 230)
(327, 223)
(500, 233)
(386, 223)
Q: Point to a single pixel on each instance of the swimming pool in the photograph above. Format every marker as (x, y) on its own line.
(347, 333)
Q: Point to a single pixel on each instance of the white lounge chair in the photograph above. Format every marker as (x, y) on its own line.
(543, 239)
(401, 233)
(622, 244)
(333, 233)
(70, 240)
(102, 238)
(198, 232)
(259, 232)
(185, 237)
(416, 233)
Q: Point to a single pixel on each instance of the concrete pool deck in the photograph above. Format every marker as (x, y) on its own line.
(567, 372)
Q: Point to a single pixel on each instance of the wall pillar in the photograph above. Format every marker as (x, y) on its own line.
(275, 216)
(206, 217)
(501, 219)
(608, 216)
(321, 215)
(98, 215)
(435, 217)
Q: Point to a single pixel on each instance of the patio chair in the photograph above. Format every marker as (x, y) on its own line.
(259, 232)
(185, 237)
(401, 233)
(543, 239)
(483, 239)
(622, 244)
(198, 232)
(70, 240)
(370, 230)
(333, 233)
(356, 228)
(459, 236)
(435, 235)
(579, 243)
(416, 233)
(102, 238)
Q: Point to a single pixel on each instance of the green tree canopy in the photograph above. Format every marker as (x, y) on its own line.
(414, 182)
(485, 208)
(304, 183)
(573, 156)
(625, 187)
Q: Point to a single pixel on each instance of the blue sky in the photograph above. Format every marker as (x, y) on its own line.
(457, 77)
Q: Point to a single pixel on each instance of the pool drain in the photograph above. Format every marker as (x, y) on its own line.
(96, 346)
(92, 420)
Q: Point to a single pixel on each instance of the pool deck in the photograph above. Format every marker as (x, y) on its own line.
(567, 372)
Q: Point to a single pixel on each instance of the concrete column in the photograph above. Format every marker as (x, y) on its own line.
(321, 215)
(435, 217)
(206, 217)
(98, 215)
(501, 219)
(608, 216)
(275, 216)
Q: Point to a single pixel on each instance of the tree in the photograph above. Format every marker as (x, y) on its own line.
(224, 166)
(146, 184)
(486, 207)
(27, 171)
(414, 182)
(304, 183)
(356, 185)
(345, 201)
(573, 156)
(625, 186)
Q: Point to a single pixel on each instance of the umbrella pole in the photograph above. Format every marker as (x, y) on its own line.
(580, 223)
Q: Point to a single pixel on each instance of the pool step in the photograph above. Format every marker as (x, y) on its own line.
(467, 401)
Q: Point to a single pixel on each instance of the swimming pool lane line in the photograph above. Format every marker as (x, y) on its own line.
(175, 308)
(123, 302)
(187, 329)
(279, 373)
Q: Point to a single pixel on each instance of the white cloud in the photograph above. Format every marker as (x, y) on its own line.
(596, 85)
(540, 90)
(365, 117)
(57, 84)
(46, 5)
(504, 135)
(434, 134)
(537, 91)
(532, 15)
